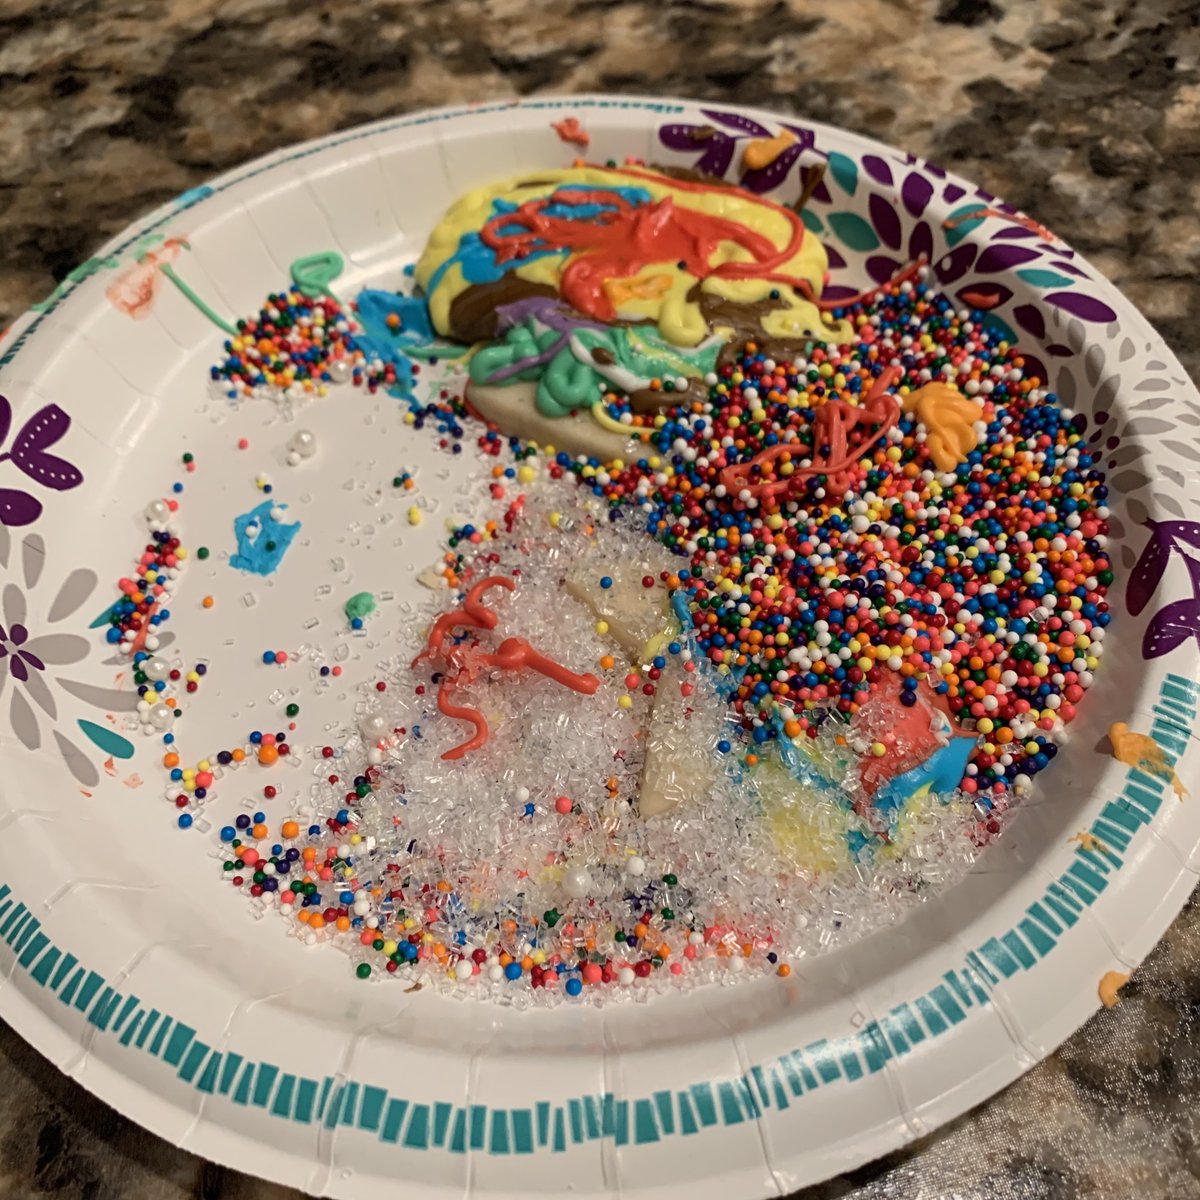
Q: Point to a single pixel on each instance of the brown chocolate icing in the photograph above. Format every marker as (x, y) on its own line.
(646, 400)
(690, 175)
(473, 311)
(745, 319)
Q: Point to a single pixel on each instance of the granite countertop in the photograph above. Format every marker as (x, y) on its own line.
(1085, 113)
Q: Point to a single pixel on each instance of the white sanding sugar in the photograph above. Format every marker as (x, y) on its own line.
(526, 871)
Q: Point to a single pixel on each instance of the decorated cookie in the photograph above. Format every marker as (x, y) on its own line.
(590, 281)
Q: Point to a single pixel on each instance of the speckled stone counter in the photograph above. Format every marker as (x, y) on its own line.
(1085, 113)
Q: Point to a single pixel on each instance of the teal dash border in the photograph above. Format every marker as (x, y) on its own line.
(557, 1127)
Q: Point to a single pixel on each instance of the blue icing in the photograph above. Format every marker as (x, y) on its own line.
(727, 684)
(857, 842)
(683, 614)
(942, 770)
(798, 761)
(262, 540)
(374, 307)
(478, 262)
(193, 196)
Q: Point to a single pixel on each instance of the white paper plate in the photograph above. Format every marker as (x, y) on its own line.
(133, 971)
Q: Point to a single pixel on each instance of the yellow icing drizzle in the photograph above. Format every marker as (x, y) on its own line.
(601, 417)
(660, 294)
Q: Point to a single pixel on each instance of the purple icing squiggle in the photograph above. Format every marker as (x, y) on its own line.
(523, 363)
(546, 309)
(549, 312)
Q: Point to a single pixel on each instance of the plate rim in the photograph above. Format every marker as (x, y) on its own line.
(41, 1031)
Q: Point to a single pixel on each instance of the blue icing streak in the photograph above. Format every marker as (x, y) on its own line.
(633, 195)
(262, 540)
(726, 685)
(857, 843)
(798, 761)
(374, 307)
(942, 770)
(193, 196)
(478, 262)
(683, 614)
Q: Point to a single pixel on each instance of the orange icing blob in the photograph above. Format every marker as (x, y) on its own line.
(949, 418)
(1142, 751)
(650, 287)
(1110, 985)
(762, 152)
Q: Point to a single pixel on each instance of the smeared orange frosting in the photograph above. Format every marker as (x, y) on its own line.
(1142, 751)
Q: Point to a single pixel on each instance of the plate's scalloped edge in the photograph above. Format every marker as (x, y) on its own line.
(623, 1121)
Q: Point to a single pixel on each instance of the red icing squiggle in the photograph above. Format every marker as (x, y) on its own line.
(978, 214)
(733, 270)
(622, 241)
(472, 613)
(833, 425)
(468, 662)
(627, 237)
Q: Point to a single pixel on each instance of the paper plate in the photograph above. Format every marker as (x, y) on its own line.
(135, 973)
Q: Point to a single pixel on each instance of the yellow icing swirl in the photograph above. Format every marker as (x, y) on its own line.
(661, 292)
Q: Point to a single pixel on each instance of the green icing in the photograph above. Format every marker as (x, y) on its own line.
(641, 354)
(361, 604)
(313, 273)
(521, 341)
(572, 379)
(567, 384)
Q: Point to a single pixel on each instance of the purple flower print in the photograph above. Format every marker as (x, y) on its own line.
(717, 146)
(874, 214)
(20, 657)
(29, 453)
(32, 652)
(1174, 623)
